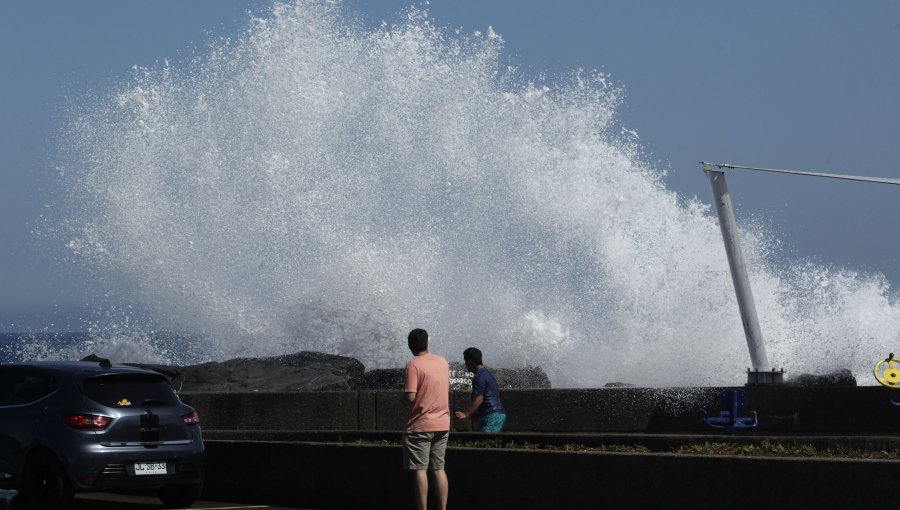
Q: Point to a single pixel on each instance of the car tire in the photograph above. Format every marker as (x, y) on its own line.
(19, 501)
(175, 496)
(46, 487)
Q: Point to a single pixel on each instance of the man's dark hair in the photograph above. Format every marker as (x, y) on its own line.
(417, 340)
(472, 354)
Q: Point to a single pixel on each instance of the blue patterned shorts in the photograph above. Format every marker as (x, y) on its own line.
(492, 422)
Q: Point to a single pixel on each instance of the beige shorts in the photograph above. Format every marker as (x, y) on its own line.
(424, 450)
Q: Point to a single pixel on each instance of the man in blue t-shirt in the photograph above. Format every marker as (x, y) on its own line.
(486, 405)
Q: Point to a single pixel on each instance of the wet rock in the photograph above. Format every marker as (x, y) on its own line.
(618, 385)
(521, 378)
(842, 377)
(315, 371)
(383, 379)
(507, 378)
(302, 371)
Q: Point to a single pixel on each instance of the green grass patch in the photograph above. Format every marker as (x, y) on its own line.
(527, 445)
(768, 448)
(764, 448)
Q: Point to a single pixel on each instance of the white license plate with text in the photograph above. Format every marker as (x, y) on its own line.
(149, 468)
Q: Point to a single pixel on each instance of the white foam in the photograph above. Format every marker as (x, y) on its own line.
(318, 185)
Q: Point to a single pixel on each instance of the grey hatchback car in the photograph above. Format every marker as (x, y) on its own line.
(74, 426)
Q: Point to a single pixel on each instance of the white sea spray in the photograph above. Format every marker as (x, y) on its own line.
(317, 185)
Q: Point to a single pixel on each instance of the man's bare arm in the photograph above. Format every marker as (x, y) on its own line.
(476, 403)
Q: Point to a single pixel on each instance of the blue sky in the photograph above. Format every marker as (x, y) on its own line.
(810, 85)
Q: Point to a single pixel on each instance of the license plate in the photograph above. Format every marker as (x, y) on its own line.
(149, 468)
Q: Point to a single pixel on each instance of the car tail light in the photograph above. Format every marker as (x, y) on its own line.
(191, 419)
(87, 421)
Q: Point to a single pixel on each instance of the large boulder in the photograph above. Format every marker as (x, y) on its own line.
(302, 371)
(316, 371)
(521, 378)
(841, 377)
(460, 379)
(383, 379)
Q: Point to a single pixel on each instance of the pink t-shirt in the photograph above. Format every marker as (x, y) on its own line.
(428, 376)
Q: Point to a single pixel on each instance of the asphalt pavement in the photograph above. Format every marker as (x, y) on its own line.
(109, 501)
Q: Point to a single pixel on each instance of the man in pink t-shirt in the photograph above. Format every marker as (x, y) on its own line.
(426, 393)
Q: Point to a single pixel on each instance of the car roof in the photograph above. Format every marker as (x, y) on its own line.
(85, 368)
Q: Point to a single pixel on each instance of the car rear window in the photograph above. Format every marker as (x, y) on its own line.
(125, 390)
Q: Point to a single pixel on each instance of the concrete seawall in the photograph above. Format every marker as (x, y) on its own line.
(358, 476)
(786, 409)
(284, 448)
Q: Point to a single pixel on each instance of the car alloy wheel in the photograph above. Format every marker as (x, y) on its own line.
(46, 487)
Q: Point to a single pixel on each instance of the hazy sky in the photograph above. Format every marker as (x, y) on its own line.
(809, 85)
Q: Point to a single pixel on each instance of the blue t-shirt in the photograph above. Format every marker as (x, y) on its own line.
(483, 383)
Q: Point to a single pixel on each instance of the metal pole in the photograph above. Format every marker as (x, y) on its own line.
(738, 268)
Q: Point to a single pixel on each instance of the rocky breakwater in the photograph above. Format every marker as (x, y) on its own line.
(316, 371)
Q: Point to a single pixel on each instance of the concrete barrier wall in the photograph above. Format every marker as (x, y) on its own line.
(278, 411)
(780, 409)
(356, 476)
